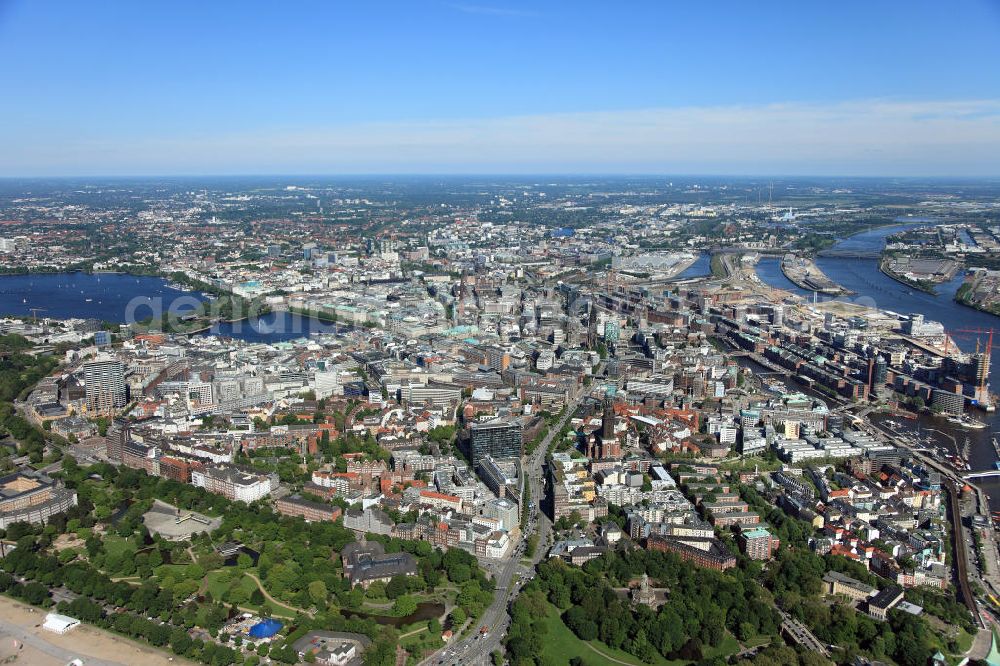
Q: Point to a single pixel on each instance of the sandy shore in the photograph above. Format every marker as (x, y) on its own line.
(18, 622)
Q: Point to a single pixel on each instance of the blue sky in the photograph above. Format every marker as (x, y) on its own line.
(865, 88)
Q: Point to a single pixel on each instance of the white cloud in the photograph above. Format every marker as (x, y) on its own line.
(868, 137)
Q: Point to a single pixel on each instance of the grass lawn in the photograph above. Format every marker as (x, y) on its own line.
(748, 464)
(757, 641)
(421, 644)
(728, 646)
(218, 588)
(561, 645)
(219, 581)
(177, 570)
(116, 545)
(964, 641)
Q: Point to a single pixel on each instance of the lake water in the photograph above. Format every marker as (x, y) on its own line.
(106, 296)
(120, 298)
(272, 327)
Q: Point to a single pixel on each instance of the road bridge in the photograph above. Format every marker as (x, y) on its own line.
(772, 251)
(989, 474)
(850, 254)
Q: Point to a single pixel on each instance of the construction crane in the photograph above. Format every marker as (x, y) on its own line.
(949, 334)
(989, 350)
(34, 313)
(980, 331)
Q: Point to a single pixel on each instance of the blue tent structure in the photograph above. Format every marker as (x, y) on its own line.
(265, 628)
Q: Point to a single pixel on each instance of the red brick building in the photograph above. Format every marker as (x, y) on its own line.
(293, 505)
(705, 552)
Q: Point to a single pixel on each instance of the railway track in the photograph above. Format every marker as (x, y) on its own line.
(961, 557)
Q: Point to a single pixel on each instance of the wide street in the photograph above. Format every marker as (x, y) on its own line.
(477, 647)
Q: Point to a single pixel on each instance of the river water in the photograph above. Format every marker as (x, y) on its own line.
(701, 267)
(875, 289)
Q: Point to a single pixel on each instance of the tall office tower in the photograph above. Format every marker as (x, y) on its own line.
(116, 439)
(778, 318)
(499, 438)
(105, 384)
(879, 375)
(612, 331)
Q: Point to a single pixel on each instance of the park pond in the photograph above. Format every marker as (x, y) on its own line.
(425, 611)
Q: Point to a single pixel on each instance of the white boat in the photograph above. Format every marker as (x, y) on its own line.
(966, 422)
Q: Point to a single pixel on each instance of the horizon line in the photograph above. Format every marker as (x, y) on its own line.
(496, 174)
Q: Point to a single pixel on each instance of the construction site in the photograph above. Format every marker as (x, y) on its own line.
(805, 274)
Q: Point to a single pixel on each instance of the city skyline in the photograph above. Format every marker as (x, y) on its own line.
(500, 333)
(509, 88)
(439, 419)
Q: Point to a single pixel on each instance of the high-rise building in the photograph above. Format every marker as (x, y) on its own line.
(880, 374)
(116, 439)
(573, 333)
(498, 439)
(981, 368)
(505, 511)
(105, 384)
(778, 316)
(612, 331)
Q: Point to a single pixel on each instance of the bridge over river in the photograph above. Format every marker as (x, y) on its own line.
(850, 254)
(988, 474)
